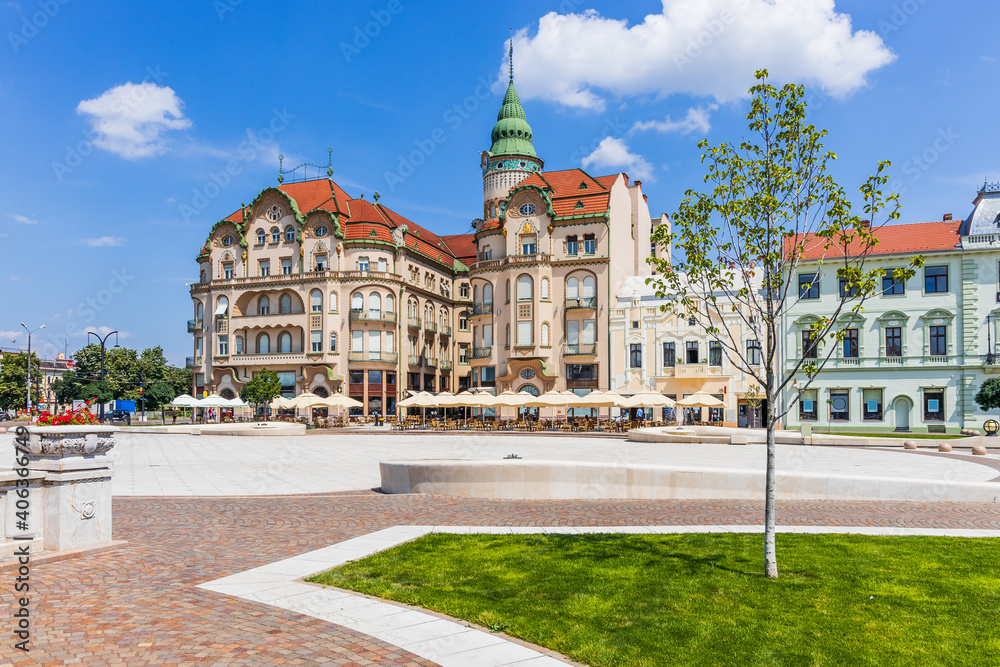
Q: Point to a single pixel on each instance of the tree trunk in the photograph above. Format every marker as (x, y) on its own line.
(770, 551)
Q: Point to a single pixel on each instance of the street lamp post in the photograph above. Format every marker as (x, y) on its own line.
(103, 341)
(28, 386)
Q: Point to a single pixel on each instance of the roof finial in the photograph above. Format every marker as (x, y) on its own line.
(511, 58)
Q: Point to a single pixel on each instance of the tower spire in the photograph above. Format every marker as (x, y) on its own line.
(511, 58)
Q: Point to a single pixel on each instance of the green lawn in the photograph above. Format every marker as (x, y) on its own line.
(703, 600)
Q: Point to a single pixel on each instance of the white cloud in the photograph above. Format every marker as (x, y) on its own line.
(10, 335)
(131, 119)
(104, 241)
(696, 120)
(613, 153)
(700, 47)
(22, 219)
(104, 331)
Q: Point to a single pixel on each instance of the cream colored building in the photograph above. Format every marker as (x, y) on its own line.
(342, 294)
(674, 355)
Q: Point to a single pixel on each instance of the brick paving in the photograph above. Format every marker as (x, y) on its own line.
(139, 605)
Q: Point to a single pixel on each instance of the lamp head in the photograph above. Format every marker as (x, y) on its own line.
(991, 427)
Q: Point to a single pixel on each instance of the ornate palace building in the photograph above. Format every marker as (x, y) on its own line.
(342, 294)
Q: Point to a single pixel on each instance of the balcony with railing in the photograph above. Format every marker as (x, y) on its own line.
(287, 278)
(195, 325)
(482, 352)
(373, 357)
(516, 260)
(192, 362)
(444, 330)
(446, 365)
(415, 322)
(431, 362)
(482, 309)
(372, 316)
(579, 349)
(584, 303)
(272, 358)
(430, 325)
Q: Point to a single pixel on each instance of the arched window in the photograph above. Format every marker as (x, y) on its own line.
(475, 293)
(545, 289)
(264, 306)
(333, 342)
(261, 237)
(507, 337)
(390, 304)
(222, 307)
(357, 302)
(374, 305)
(572, 288)
(201, 277)
(285, 304)
(488, 293)
(545, 334)
(333, 301)
(409, 309)
(316, 301)
(275, 235)
(289, 234)
(285, 343)
(199, 311)
(508, 290)
(239, 345)
(263, 344)
(589, 291)
(524, 288)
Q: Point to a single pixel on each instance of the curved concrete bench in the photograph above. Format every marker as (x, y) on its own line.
(244, 430)
(567, 480)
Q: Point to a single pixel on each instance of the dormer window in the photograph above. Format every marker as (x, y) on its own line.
(274, 213)
(321, 231)
(527, 209)
(227, 241)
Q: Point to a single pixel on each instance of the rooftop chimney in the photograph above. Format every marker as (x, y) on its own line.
(947, 217)
(866, 224)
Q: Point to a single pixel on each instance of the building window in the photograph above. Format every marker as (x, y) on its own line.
(223, 345)
(363, 264)
(850, 343)
(589, 244)
(845, 291)
(286, 267)
(285, 343)
(939, 341)
(264, 306)
(545, 334)
(357, 302)
(275, 235)
(669, 355)
(571, 245)
(227, 270)
(891, 285)
(692, 321)
(265, 267)
(333, 302)
(715, 353)
(524, 333)
(507, 337)
(753, 352)
(357, 341)
(807, 406)
(316, 301)
(463, 354)
(463, 321)
(261, 237)
(524, 288)
(463, 290)
(289, 234)
(316, 339)
(635, 355)
(528, 245)
(840, 406)
(239, 345)
(321, 263)
(383, 265)
(545, 289)
(487, 253)
(809, 286)
(201, 277)
(263, 344)
(809, 345)
(871, 405)
(934, 405)
(635, 324)
(333, 341)
(508, 290)
(936, 279)
(375, 306)
(893, 341)
(692, 352)
(285, 304)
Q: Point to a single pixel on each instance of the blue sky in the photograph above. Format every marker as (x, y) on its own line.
(119, 119)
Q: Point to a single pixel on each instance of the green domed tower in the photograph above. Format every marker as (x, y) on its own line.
(511, 157)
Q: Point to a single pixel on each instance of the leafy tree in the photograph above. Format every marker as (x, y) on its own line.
(14, 378)
(69, 387)
(988, 396)
(101, 391)
(262, 388)
(739, 246)
(158, 394)
(180, 379)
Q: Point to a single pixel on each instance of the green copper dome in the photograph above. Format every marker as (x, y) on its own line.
(512, 135)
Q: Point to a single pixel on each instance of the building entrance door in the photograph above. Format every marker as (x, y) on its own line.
(902, 414)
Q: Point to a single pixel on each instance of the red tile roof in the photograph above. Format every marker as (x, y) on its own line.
(462, 246)
(568, 197)
(893, 239)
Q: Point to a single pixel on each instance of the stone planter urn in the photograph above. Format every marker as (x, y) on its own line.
(75, 503)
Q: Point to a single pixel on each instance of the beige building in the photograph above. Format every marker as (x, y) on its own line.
(674, 355)
(342, 294)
